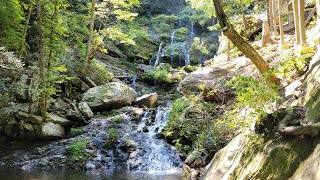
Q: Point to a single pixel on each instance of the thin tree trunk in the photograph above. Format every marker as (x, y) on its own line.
(265, 33)
(88, 58)
(228, 51)
(158, 56)
(241, 44)
(282, 45)
(41, 59)
(296, 22)
(47, 82)
(271, 16)
(274, 12)
(302, 24)
(26, 25)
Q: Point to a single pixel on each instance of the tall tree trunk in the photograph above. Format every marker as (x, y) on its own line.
(41, 59)
(296, 22)
(88, 58)
(26, 25)
(241, 44)
(158, 56)
(302, 24)
(281, 29)
(265, 33)
(47, 82)
(274, 23)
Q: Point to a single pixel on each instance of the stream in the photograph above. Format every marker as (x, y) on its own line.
(147, 156)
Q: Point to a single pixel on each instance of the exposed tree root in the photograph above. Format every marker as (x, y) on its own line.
(304, 129)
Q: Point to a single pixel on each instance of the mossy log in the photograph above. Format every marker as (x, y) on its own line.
(304, 129)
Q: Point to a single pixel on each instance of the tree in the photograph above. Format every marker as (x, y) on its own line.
(240, 43)
(42, 107)
(26, 26)
(92, 15)
(10, 24)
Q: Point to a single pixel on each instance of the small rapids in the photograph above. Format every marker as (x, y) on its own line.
(153, 154)
(138, 152)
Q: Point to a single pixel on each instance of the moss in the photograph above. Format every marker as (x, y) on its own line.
(77, 151)
(283, 161)
(313, 106)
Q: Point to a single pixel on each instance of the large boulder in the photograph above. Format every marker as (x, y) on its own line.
(85, 110)
(57, 119)
(212, 80)
(144, 68)
(109, 96)
(148, 100)
(51, 130)
(30, 118)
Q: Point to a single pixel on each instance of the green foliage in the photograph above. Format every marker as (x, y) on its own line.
(11, 13)
(77, 151)
(111, 138)
(76, 131)
(298, 63)
(256, 95)
(159, 75)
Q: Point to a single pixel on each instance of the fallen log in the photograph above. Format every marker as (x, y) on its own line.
(305, 129)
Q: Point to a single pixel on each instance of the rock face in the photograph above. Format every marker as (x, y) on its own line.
(144, 68)
(208, 79)
(109, 96)
(148, 100)
(51, 130)
(85, 110)
(57, 120)
(30, 118)
(273, 156)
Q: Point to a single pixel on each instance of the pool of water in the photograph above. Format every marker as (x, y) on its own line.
(19, 174)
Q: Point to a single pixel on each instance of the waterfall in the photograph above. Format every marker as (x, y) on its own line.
(153, 155)
(186, 52)
(154, 56)
(172, 45)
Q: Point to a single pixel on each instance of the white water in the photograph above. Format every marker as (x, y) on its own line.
(156, 156)
(172, 45)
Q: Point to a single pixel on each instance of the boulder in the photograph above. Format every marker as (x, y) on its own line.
(30, 118)
(85, 110)
(109, 96)
(144, 68)
(212, 81)
(22, 93)
(51, 130)
(57, 119)
(148, 100)
(165, 66)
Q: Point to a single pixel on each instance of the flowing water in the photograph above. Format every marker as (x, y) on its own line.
(151, 158)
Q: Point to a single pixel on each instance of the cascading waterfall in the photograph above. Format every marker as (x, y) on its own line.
(154, 155)
(172, 45)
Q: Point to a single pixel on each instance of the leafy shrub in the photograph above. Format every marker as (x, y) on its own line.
(112, 137)
(299, 63)
(76, 150)
(256, 95)
(76, 131)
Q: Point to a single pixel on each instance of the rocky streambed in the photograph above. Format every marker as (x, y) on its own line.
(121, 143)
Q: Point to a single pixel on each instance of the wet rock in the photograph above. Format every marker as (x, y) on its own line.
(148, 100)
(57, 119)
(144, 68)
(20, 107)
(11, 128)
(51, 130)
(212, 81)
(92, 165)
(165, 66)
(22, 93)
(85, 110)
(30, 118)
(109, 96)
